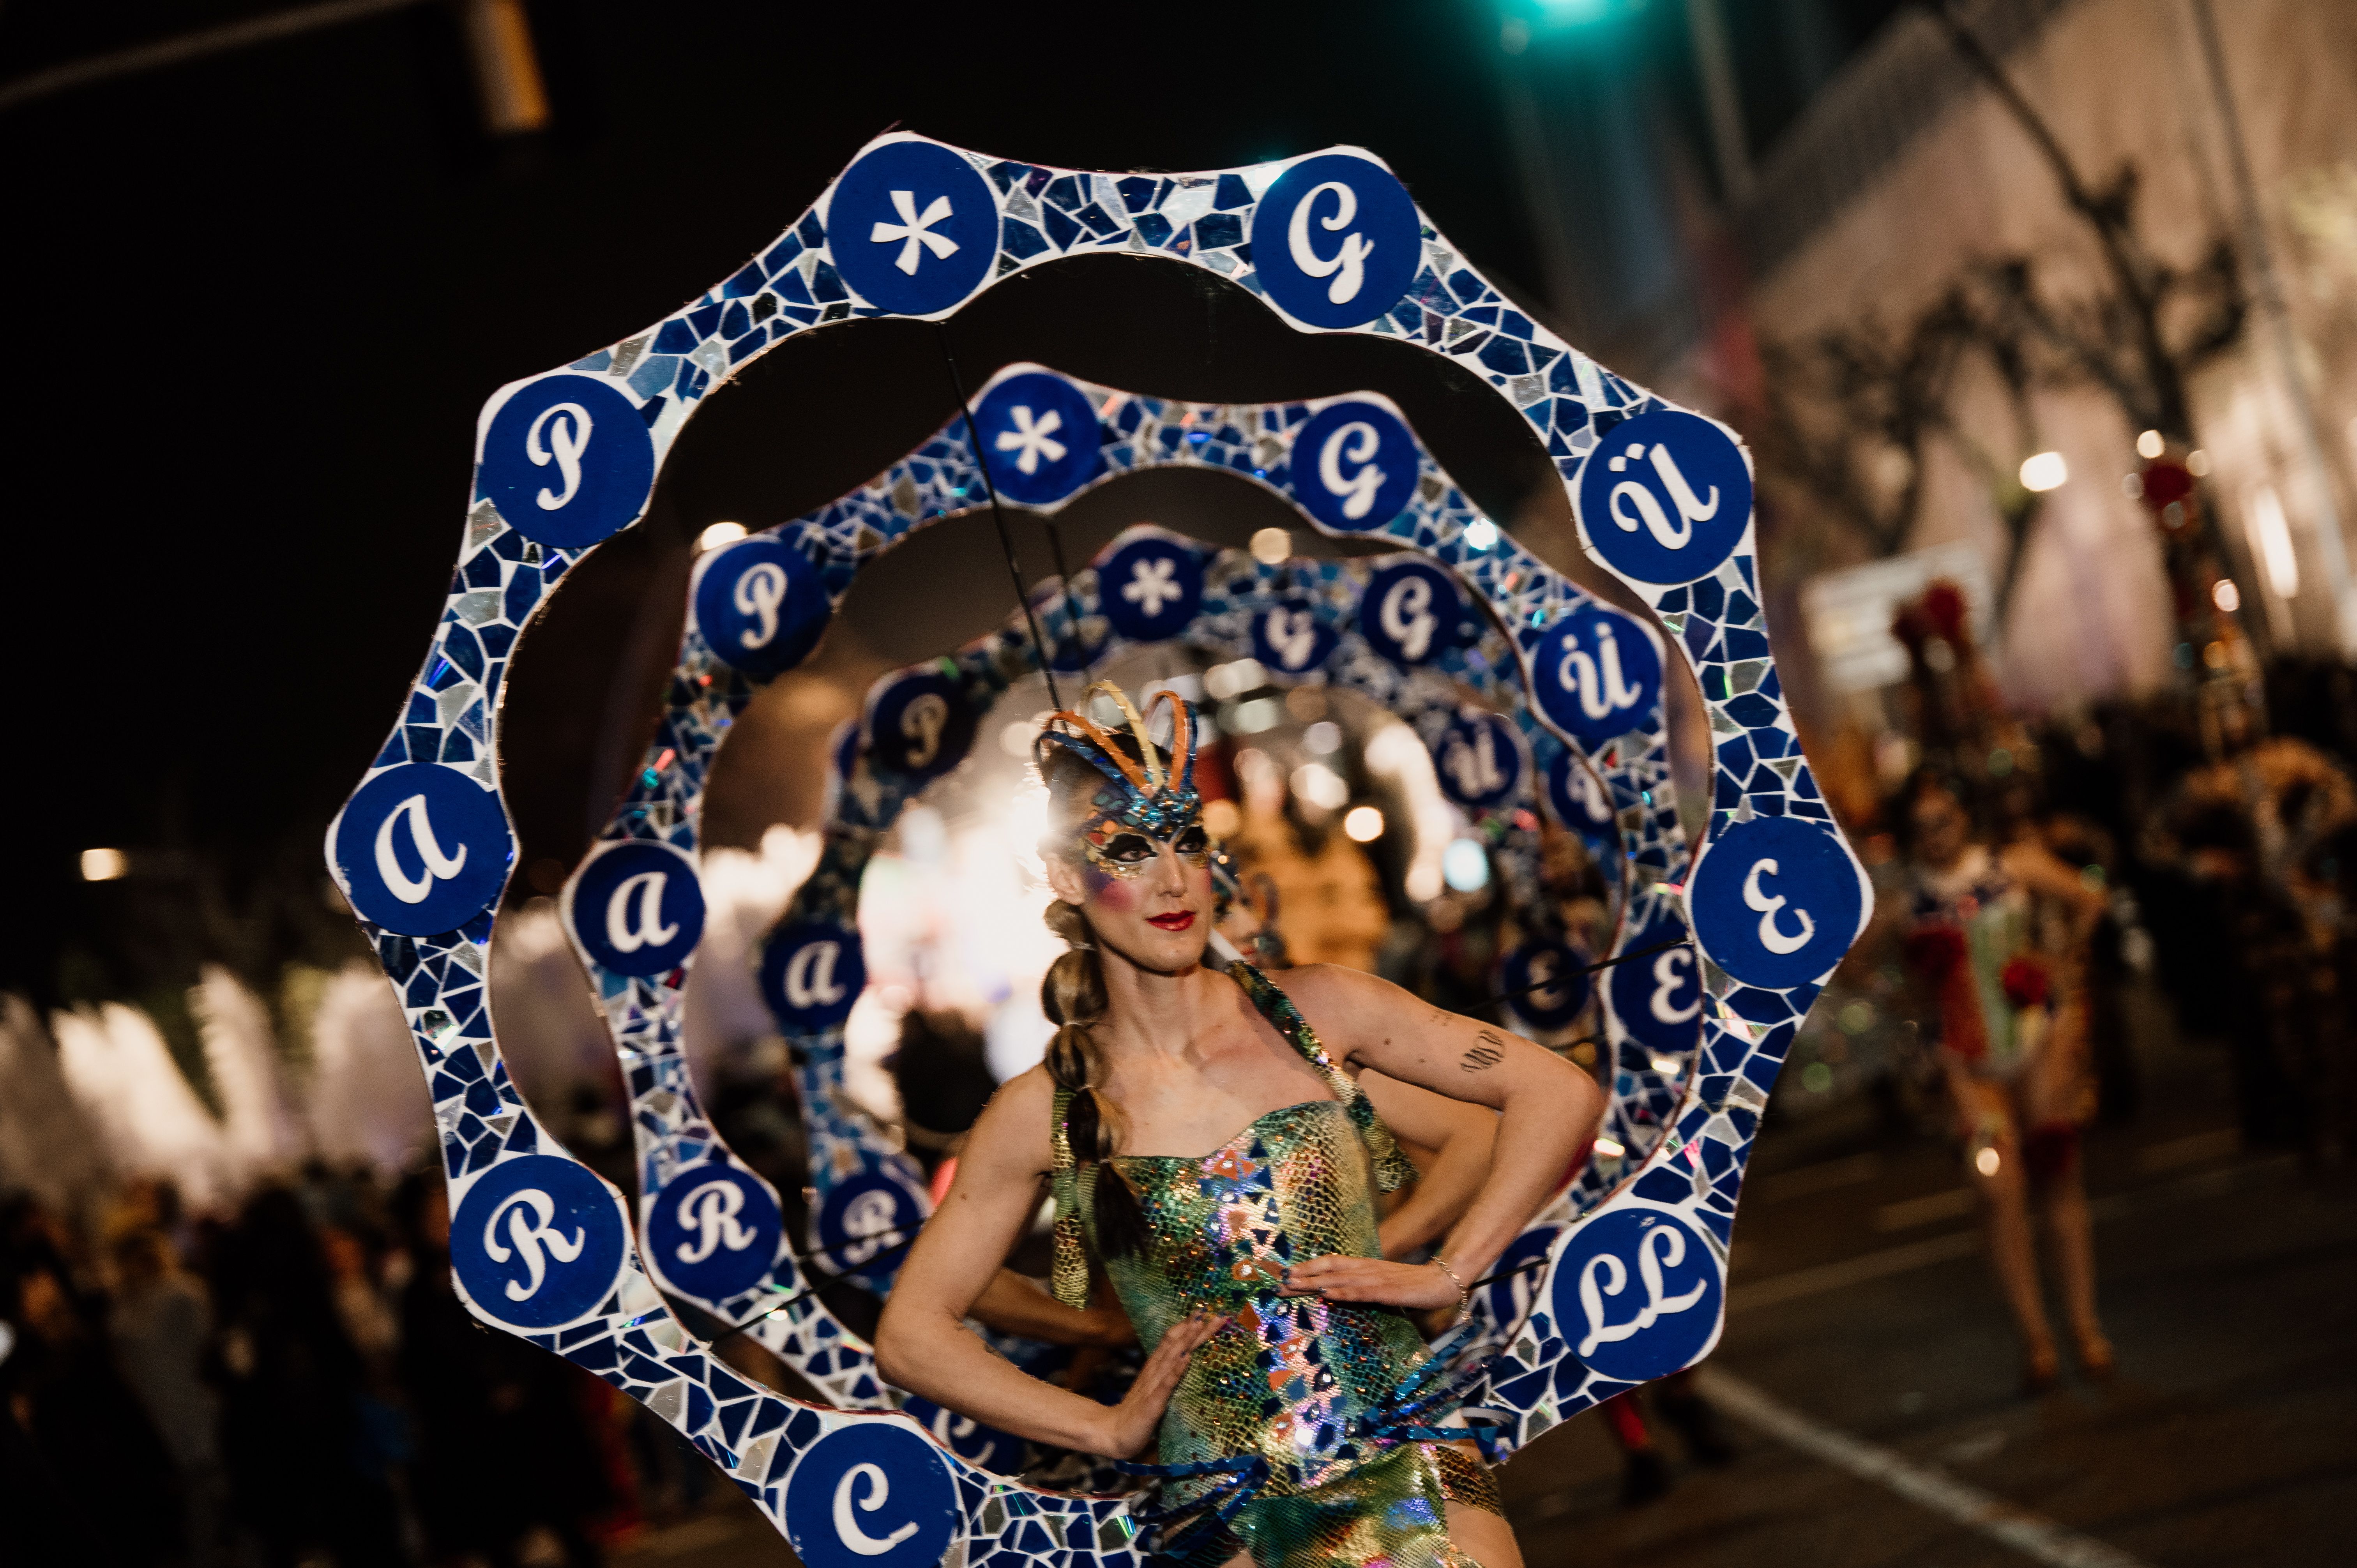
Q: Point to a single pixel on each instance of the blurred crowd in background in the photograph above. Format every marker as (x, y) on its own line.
(2039, 317)
(229, 1323)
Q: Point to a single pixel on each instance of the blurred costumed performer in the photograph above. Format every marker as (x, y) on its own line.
(1996, 940)
(1298, 1418)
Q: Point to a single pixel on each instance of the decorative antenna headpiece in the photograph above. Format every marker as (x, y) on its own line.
(1141, 800)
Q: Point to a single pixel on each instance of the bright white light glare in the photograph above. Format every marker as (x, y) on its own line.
(1364, 824)
(2044, 471)
(1609, 1148)
(1260, 713)
(718, 534)
(104, 864)
(1667, 1066)
(2150, 444)
(1271, 546)
(1480, 533)
(2225, 596)
(1324, 737)
(1465, 865)
(2197, 463)
(1225, 681)
(2271, 542)
(1321, 786)
(1988, 1162)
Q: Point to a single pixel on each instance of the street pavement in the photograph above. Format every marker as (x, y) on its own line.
(1869, 1380)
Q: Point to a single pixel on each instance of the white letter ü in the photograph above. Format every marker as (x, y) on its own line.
(437, 866)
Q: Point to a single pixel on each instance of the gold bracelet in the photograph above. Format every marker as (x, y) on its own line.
(1464, 1297)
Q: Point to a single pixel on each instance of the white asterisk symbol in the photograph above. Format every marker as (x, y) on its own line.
(1033, 441)
(915, 230)
(1149, 585)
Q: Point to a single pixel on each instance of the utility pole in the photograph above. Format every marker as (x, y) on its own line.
(2331, 548)
(1714, 61)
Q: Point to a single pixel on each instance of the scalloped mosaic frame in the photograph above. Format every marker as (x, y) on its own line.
(549, 486)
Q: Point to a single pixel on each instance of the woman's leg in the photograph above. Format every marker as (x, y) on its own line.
(1987, 1112)
(1483, 1536)
(2056, 1092)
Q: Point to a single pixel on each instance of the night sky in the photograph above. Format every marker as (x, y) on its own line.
(260, 297)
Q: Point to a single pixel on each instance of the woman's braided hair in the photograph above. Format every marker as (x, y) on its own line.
(1073, 996)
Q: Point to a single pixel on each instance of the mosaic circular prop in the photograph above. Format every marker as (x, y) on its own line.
(1330, 242)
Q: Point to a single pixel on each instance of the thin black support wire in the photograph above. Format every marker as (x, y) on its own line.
(1591, 968)
(1072, 603)
(998, 516)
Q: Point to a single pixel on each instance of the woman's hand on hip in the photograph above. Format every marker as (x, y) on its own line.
(1130, 1425)
(1338, 1277)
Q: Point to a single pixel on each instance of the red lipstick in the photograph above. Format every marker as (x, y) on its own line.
(1176, 921)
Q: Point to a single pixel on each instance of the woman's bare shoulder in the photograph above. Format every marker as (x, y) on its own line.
(1013, 1127)
(1344, 992)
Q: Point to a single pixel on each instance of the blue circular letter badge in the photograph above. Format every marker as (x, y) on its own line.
(422, 849)
(567, 461)
(920, 725)
(1039, 436)
(1412, 613)
(1547, 983)
(810, 974)
(636, 907)
(1637, 1292)
(1336, 241)
(867, 1217)
(1354, 467)
(1581, 802)
(1658, 998)
(1150, 589)
(1289, 639)
(1664, 498)
(537, 1241)
(761, 606)
(1775, 900)
(871, 1495)
(1479, 759)
(713, 1231)
(913, 228)
(1595, 675)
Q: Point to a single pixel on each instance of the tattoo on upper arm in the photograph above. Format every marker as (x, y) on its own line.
(1488, 1054)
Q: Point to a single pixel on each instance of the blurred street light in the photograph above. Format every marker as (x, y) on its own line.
(1364, 824)
(2044, 471)
(718, 534)
(513, 98)
(2150, 444)
(1272, 545)
(1465, 866)
(104, 864)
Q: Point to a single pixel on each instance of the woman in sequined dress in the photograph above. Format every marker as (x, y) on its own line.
(1996, 943)
(1215, 1147)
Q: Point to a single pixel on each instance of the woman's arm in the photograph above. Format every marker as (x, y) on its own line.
(923, 1345)
(1459, 1137)
(1014, 1303)
(1547, 1111)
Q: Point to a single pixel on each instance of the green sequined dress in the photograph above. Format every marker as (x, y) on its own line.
(1300, 1423)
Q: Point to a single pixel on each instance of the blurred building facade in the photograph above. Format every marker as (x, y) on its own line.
(1920, 309)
